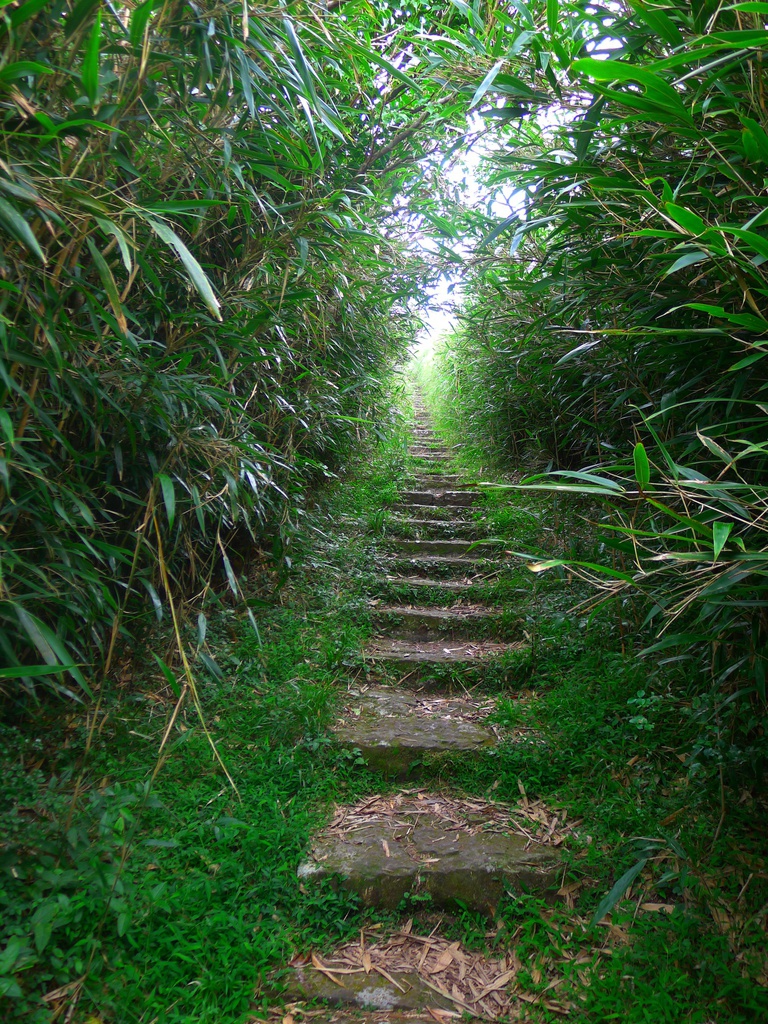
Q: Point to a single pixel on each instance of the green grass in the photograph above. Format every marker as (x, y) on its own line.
(183, 903)
(176, 903)
(628, 745)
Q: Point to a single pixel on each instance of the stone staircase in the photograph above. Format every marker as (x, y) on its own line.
(424, 697)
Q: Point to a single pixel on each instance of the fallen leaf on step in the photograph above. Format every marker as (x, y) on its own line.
(655, 908)
(388, 976)
(385, 844)
(324, 970)
(499, 983)
(444, 960)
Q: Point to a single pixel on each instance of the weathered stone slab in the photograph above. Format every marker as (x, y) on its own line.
(430, 453)
(440, 472)
(459, 513)
(452, 586)
(444, 621)
(382, 862)
(460, 498)
(394, 701)
(396, 651)
(462, 546)
(436, 481)
(394, 745)
(366, 991)
(441, 565)
(411, 526)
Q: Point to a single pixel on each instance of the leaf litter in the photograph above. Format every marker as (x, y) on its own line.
(477, 983)
(531, 819)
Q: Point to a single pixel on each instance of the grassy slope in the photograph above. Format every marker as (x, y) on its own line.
(177, 906)
(633, 750)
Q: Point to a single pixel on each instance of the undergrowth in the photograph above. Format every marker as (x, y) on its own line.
(174, 899)
(180, 900)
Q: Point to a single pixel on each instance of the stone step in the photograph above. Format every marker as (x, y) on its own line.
(430, 452)
(400, 652)
(465, 621)
(424, 590)
(428, 846)
(463, 547)
(448, 567)
(442, 566)
(458, 513)
(404, 526)
(428, 583)
(405, 999)
(439, 497)
(458, 498)
(437, 482)
(418, 976)
(395, 730)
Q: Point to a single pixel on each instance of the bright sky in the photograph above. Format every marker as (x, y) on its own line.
(440, 316)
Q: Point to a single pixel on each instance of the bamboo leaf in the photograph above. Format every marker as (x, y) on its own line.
(196, 273)
(169, 676)
(386, 65)
(169, 497)
(50, 647)
(720, 534)
(657, 90)
(642, 466)
(154, 598)
(33, 671)
(553, 15)
(79, 14)
(231, 578)
(139, 21)
(688, 260)
(89, 74)
(23, 69)
(687, 219)
(109, 285)
(304, 69)
(608, 902)
(17, 227)
(486, 83)
(121, 238)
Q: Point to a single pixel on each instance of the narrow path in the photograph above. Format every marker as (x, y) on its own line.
(439, 651)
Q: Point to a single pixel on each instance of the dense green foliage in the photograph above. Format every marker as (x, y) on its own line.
(183, 902)
(200, 293)
(208, 217)
(617, 323)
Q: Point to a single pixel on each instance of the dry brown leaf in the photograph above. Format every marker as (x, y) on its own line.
(319, 966)
(455, 999)
(499, 983)
(388, 976)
